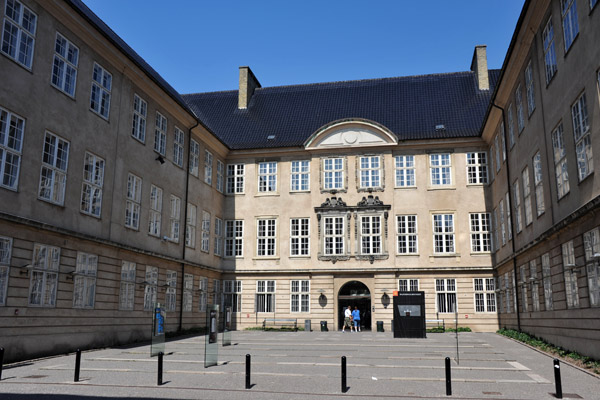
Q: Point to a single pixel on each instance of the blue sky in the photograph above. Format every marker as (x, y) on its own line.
(198, 45)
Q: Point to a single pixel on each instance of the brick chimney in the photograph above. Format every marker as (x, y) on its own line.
(479, 66)
(248, 83)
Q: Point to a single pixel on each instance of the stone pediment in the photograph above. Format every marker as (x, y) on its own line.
(351, 133)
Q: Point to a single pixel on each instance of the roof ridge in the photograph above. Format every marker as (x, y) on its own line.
(215, 92)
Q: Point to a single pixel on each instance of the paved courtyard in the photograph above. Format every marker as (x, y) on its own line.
(304, 365)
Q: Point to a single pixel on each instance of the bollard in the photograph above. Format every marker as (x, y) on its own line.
(344, 387)
(557, 382)
(160, 369)
(448, 378)
(1, 361)
(248, 371)
(77, 365)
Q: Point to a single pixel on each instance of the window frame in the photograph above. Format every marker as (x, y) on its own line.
(85, 274)
(477, 169)
(150, 288)
(408, 235)
(5, 259)
(92, 188)
(450, 303)
(155, 211)
(61, 82)
(236, 179)
(561, 170)
(127, 286)
(60, 148)
(409, 284)
(301, 295)
(266, 237)
(133, 203)
(208, 167)
(300, 176)
(234, 244)
(267, 177)
(582, 136)
(551, 66)
(178, 146)
(300, 237)
(570, 23)
(269, 296)
(479, 235)
(370, 172)
(49, 270)
(444, 170)
(405, 171)
(205, 227)
(336, 174)
(16, 151)
(175, 219)
(190, 225)
(444, 235)
(103, 88)
(160, 134)
(139, 118)
(487, 290)
(21, 31)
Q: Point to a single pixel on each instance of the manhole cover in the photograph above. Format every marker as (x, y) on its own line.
(35, 376)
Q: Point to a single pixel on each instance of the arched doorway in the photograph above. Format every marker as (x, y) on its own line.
(355, 294)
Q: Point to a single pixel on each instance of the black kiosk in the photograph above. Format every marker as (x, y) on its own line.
(409, 315)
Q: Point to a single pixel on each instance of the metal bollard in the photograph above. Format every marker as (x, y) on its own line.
(77, 365)
(248, 360)
(160, 369)
(448, 378)
(557, 382)
(344, 387)
(1, 361)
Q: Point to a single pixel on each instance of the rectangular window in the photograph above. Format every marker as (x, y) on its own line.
(53, 177)
(502, 222)
(160, 134)
(406, 231)
(300, 176)
(527, 196)
(127, 289)
(591, 244)
(299, 237)
(495, 233)
(140, 111)
(12, 128)
(132, 204)
(549, 52)
(408, 285)
(370, 234)
(537, 180)
(508, 219)
(205, 245)
(84, 285)
(216, 292)
(334, 235)
(171, 291)
(232, 291)
(93, 179)
(583, 139)
(175, 213)
(5, 253)
(18, 35)
(64, 66)
(529, 89)
(333, 173)
(480, 232)
(208, 167)
(151, 287)
(155, 214)
(524, 299)
(178, 144)
(517, 201)
(188, 292)
(203, 298)
(477, 168)
(405, 171)
(234, 238)
(190, 226)
(44, 275)
(519, 105)
(266, 237)
(220, 175)
(491, 163)
(569, 21)
(533, 278)
(502, 135)
(300, 296)
(443, 233)
(235, 178)
(570, 273)
(100, 96)
(498, 163)
(265, 296)
(370, 171)
(218, 237)
(508, 296)
(560, 162)
(445, 295)
(485, 294)
(547, 280)
(194, 157)
(441, 169)
(511, 127)
(267, 177)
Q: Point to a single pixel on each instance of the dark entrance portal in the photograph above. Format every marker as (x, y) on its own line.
(355, 294)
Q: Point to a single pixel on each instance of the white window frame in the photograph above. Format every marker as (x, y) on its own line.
(235, 178)
(445, 289)
(194, 157)
(178, 145)
(569, 22)
(203, 298)
(91, 188)
(132, 204)
(155, 212)
(529, 88)
(234, 238)
(12, 131)
(208, 167)
(547, 281)
(371, 234)
(160, 134)
(266, 237)
(127, 286)
(549, 51)
(527, 196)
(171, 291)
(217, 294)
(265, 296)
(299, 237)
(267, 177)
(535, 291)
(570, 275)
(524, 299)
(5, 256)
(560, 162)
(497, 144)
(408, 285)
(517, 201)
(64, 65)
(300, 176)
(538, 183)
(481, 227)
(484, 295)
(218, 237)
(232, 295)
(205, 240)
(583, 137)
(333, 236)
(477, 168)
(84, 281)
(175, 218)
(407, 234)
(220, 175)
(440, 166)
(190, 225)
(370, 169)
(519, 107)
(100, 92)
(511, 126)
(188, 293)
(508, 215)
(334, 172)
(442, 235)
(405, 171)
(502, 222)
(300, 296)
(53, 175)
(23, 28)
(140, 113)
(44, 276)
(591, 244)
(151, 288)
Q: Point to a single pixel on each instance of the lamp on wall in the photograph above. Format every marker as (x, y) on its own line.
(160, 159)
(385, 299)
(24, 269)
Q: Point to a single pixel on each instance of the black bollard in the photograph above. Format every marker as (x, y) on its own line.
(77, 365)
(344, 387)
(1, 361)
(557, 381)
(248, 371)
(448, 378)
(160, 369)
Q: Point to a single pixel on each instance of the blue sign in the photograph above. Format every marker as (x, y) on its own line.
(159, 322)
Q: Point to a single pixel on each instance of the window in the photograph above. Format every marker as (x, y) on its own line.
(12, 128)
(267, 176)
(64, 67)
(175, 213)
(445, 295)
(547, 280)
(53, 177)
(232, 291)
(203, 298)
(511, 127)
(151, 288)
(190, 226)
(569, 21)
(485, 295)
(406, 226)
(568, 253)
(100, 97)
(537, 180)
(188, 294)
(216, 292)
(517, 199)
(265, 237)
(154, 216)
(299, 237)
(591, 244)
(527, 196)
(508, 219)
(127, 290)
(218, 237)
(529, 89)
(18, 35)
(498, 164)
(265, 296)
(220, 174)
(333, 173)
(234, 238)
(93, 179)
(334, 235)
(140, 111)
(523, 275)
(370, 234)
(235, 178)
(208, 167)
(405, 171)
(300, 176)
(508, 296)
(205, 245)
(441, 169)
(84, 285)
(533, 278)
(370, 172)
(502, 135)
(44, 276)
(5, 252)
(194, 157)
(583, 140)
(171, 292)
(178, 143)
(477, 168)
(300, 296)
(560, 162)
(132, 204)
(491, 163)
(443, 233)
(160, 134)
(519, 105)
(408, 285)
(480, 232)
(549, 52)
(502, 222)
(495, 233)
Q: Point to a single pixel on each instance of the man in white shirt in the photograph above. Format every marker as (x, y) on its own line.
(347, 316)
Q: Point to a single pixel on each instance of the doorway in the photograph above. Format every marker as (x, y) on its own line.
(355, 294)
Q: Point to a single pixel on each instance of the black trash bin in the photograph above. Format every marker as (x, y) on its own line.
(324, 326)
(380, 326)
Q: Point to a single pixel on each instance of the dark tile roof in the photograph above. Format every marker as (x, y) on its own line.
(410, 107)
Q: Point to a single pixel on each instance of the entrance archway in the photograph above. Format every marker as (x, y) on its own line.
(355, 294)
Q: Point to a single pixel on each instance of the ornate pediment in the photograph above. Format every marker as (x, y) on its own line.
(351, 133)
(370, 201)
(334, 202)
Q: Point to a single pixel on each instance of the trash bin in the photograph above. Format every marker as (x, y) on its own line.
(380, 326)
(324, 326)
(307, 325)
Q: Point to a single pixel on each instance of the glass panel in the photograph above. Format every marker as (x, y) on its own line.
(211, 348)
(159, 322)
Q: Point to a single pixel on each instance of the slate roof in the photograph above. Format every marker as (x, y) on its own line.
(410, 107)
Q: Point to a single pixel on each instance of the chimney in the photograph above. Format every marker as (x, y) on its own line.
(479, 66)
(248, 83)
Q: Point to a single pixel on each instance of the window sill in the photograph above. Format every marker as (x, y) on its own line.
(302, 257)
(408, 255)
(405, 187)
(51, 202)
(100, 115)
(334, 191)
(300, 191)
(586, 177)
(63, 92)
(235, 194)
(259, 258)
(26, 68)
(445, 255)
(267, 194)
(481, 253)
(98, 217)
(442, 187)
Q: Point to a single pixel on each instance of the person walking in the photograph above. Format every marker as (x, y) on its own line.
(356, 319)
(347, 317)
